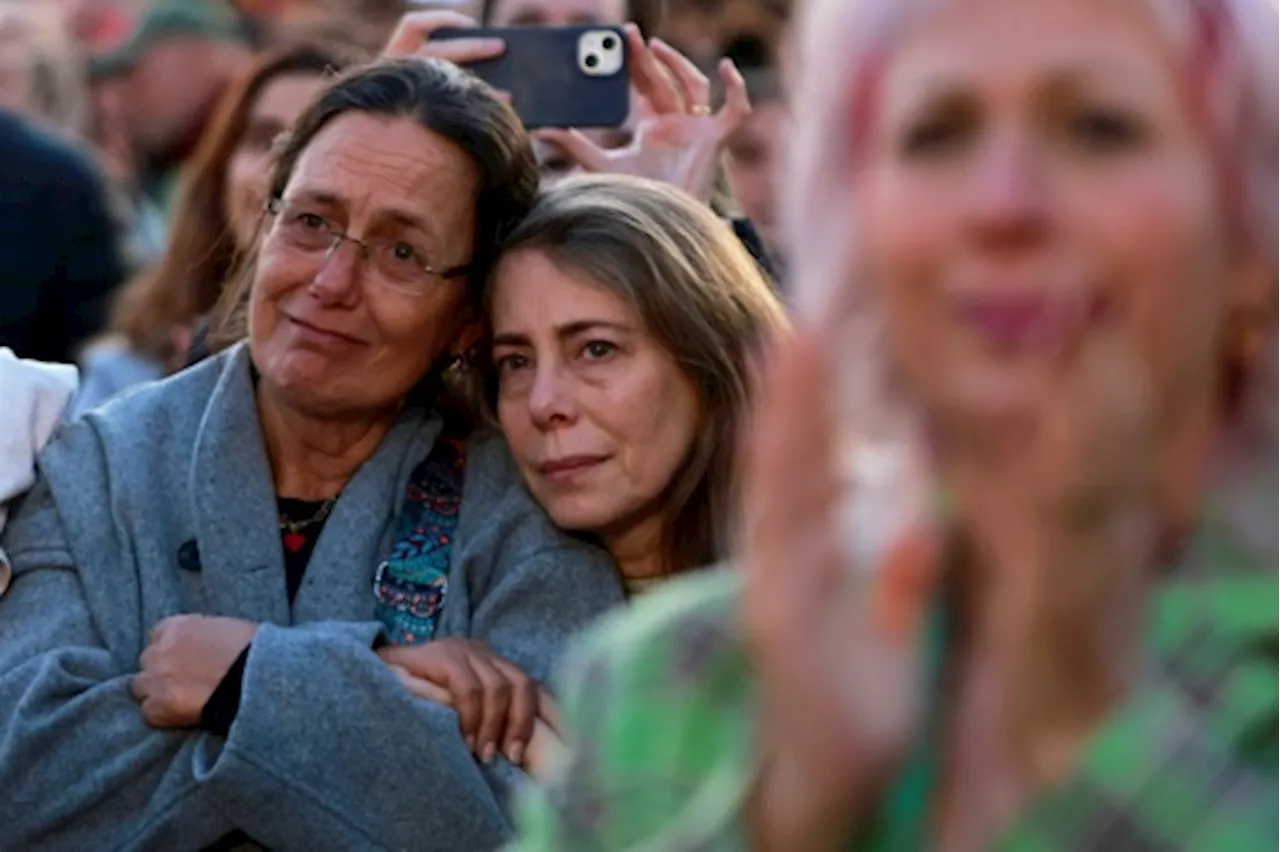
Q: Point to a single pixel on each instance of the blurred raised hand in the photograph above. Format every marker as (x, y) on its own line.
(839, 650)
(677, 138)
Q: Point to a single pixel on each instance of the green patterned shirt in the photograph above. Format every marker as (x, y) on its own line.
(658, 700)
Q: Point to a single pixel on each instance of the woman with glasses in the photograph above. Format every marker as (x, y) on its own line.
(222, 582)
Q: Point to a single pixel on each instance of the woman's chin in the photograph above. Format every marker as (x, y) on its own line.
(993, 395)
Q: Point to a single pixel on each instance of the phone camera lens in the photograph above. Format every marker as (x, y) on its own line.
(609, 43)
(592, 60)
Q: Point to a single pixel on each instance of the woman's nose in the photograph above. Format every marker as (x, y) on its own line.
(551, 398)
(1007, 205)
(337, 282)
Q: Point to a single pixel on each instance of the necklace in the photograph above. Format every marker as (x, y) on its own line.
(292, 526)
(291, 530)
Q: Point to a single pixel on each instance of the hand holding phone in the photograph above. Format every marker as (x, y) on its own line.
(677, 138)
(413, 38)
(555, 76)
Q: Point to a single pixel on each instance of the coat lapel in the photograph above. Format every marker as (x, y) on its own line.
(233, 494)
(338, 585)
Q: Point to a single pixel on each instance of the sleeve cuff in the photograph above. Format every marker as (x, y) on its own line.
(220, 710)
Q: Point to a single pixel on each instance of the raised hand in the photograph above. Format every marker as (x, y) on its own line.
(413, 38)
(838, 650)
(677, 139)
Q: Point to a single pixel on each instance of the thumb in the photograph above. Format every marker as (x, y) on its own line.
(578, 147)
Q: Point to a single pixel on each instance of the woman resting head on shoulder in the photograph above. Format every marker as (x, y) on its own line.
(216, 218)
(309, 505)
(1008, 585)
(625, 319)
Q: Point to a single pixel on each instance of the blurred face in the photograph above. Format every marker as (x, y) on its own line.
(557, 13)
(1034, 163)
(276, 110)
(753, 165)
(347, 331)
(597, 413)
(168, 90)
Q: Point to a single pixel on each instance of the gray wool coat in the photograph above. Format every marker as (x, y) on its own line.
(328, 751)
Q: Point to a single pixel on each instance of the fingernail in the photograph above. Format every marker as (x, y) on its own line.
(515, 754)
(488, 752)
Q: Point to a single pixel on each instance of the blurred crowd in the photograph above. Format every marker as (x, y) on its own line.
(118, 103)
(870, 443)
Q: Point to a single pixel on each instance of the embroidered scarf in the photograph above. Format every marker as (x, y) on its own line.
(410, 585)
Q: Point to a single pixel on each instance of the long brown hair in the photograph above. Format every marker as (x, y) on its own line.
(701, 296)
(201, 252)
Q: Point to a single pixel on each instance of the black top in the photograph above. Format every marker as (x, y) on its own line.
(60, 249)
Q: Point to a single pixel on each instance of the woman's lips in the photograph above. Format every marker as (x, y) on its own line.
(569, 468)
(1032, 321)
(320, 336)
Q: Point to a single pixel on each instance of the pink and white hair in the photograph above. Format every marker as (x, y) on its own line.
(1229, 52)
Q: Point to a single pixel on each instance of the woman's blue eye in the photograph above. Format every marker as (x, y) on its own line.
(404, 251)
(313, 221)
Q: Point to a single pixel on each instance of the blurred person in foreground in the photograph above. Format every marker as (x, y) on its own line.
(1034, 247)
(220, 580)
(163, 84)
(216, 218)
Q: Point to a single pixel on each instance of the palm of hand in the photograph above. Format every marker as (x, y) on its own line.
(677, 148)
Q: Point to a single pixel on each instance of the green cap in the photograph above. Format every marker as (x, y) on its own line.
(162, 19)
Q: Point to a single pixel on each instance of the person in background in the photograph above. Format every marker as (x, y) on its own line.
(645, 14)
(1034, 252)
(60, 247)
(41, 73)
(165, 82)
(35, 397)
(625, 317)
(207, 629)
(216, 219)
(754, 156)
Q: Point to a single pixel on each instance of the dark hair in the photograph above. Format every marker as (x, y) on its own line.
(645, 14)
(701, 297)
(446, 101)
(198, 260)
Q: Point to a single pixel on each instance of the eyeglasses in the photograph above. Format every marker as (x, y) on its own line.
(399, 266)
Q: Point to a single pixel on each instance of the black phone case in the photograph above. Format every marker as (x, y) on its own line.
(540, 70)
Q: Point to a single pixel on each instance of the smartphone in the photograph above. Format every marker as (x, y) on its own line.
(558, 76)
